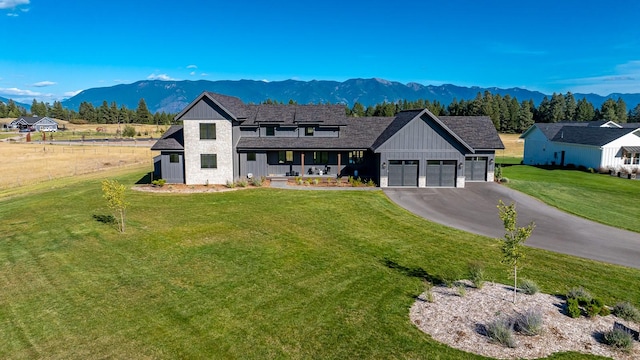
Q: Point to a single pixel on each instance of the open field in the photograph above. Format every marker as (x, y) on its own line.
(28, 163)
(514, 149)
(90, 131)
(259, 273)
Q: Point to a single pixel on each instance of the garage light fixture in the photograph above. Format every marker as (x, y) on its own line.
(384, 165)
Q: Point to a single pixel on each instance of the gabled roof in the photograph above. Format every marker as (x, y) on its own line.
(172, 139)
(477, 131)
(472, 132)
(594, 136)
(630, 125)
(359, 133)
(31, 120)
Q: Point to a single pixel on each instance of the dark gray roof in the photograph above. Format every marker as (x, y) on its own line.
(473, 132)
(630, 125)
(172, 139)
(231, 103)
(477, 131)
(401, 119)
(359, 133)
(295, 115)
(30, 119)
(551, 129)
(632, 149)
(586, 135)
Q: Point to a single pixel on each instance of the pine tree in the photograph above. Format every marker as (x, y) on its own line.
(608, 110)
(621, 110)
(570, 107)
(634, 114)
(143, 116)
(584, 111)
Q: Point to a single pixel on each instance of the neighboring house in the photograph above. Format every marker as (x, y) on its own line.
(223, 139)
(34, 123)
(598, 145)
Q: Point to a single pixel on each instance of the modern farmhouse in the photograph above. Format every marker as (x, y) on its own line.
(223, 139)
(596, 145)
(34, 123)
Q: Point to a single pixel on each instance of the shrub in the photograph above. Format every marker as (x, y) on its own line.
(257, 181)
(159, 182)
(316, 181)
(230, 184)
(573, 308)
(529, 287)
(299, 180)
(476, 274)
(594, 307)
(497, 173)
(501, 332)
(129, 131)
(618, 339)
(529, 323)
(242, 182)
(605, 311)
(371, 183)
(625, 310)
(462, 290)
(504, 180)
(428, 294)
(580, 294)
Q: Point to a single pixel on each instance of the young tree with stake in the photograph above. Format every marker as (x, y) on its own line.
(113, 192)
(513, 242)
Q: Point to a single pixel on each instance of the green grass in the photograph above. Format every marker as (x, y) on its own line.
(9, 135)
(258, 273)
(508, 160)
(602, 198)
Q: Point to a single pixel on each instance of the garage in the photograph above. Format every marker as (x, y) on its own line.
(403, 172)
(475, 168)
(441, 173)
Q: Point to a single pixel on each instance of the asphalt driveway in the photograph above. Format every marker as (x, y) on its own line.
(473, 209)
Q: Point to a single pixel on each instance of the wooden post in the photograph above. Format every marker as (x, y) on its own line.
(302, 163)
(339, 161)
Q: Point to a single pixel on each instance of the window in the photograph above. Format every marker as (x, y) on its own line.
(174, 158)
(251, 156)
(285, 156)
(208, 161)
(308, 131)
(271, 131)
(320, 157)
(636, 158)
(207, 131)
(356, 157)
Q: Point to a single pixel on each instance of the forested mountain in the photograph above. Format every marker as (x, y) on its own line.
(173, 96)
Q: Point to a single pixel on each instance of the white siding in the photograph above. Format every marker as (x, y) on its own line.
(537, 148)
(612, 154)
(221, 146)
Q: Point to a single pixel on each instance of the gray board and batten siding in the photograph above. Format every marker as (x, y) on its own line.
(421, 147)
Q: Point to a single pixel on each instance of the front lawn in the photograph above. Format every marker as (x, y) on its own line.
(602, 198)
(258, 273)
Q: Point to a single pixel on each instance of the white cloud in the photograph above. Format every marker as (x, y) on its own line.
(192, 67)
(624, 79)
(163, 77)
(72, 93)
(12, 14)
(44, 83)
(204, 74)
(18, 92)
(192, 73)
(12, 4)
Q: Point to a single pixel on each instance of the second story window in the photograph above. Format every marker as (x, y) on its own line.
(207, 131)
(308, 131)
(271, 131)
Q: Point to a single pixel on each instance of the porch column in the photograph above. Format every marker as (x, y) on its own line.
(302, 163)
(339, 161)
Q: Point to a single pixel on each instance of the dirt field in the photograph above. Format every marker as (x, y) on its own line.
(29, 163)
(90, 131)
(514, 146)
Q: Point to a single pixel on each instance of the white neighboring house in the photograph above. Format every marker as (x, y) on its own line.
(597, 145)
(35, 123)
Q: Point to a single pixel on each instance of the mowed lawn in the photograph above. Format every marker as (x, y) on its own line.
(256, 273)
(602, 198)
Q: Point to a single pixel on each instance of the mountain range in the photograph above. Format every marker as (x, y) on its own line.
(173, 96)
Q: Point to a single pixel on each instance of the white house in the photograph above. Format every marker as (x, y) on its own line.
(597, 145)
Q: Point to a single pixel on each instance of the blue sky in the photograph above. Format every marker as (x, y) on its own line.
(53, 49)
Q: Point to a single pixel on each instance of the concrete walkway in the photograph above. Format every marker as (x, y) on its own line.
(473, 209)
